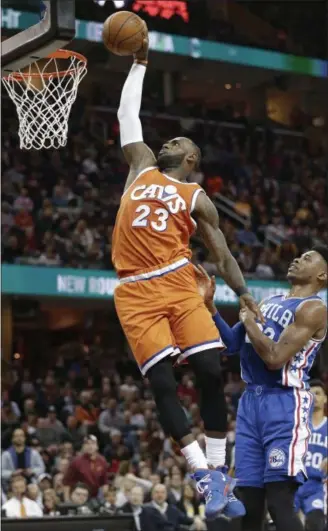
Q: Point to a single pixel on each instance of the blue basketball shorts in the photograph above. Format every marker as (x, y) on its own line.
(310, 497)
(272, 435)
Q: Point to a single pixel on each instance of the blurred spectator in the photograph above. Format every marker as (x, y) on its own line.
(50, 503)
(190, 503)
(116, 450)
(9, 414)
(246, 236)
(176, 486)
(11, 250)
(49, 257)
(81, 497)
(23, 202)
(83, 235)
(50, 430)
(111, 418)
(124, 492)
(134, 505)
(74, 432)
(34, 493)
(109, 504)
(44, 482)
(20, 459)
(19, 506)
(89, 468)
(7, 218)
(86, 413)
(160, 515)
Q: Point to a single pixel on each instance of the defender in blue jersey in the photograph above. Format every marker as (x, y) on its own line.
(310, 498)
(274, 413)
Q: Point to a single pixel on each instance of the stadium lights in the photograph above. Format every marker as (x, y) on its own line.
(117, 3)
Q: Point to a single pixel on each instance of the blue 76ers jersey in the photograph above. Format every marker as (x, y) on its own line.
(279, 313)
(317, 451)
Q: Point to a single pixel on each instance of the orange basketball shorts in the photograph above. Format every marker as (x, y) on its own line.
(162, 314)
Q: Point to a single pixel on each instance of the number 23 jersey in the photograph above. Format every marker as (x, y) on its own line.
(154, 224)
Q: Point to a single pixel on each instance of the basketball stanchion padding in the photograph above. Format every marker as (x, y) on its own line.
(44, 93)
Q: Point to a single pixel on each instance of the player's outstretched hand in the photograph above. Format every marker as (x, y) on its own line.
(247, 302)
(142, 55)
(206, 287)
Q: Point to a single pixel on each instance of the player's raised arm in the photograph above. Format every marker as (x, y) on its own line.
(310, 322)
(208, 225)
(137, 154)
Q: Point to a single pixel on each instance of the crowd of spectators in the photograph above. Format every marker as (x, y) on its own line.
(59, 208)
(78, 442)
(79, 439)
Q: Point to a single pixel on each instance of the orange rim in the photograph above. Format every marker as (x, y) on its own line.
(58, 54)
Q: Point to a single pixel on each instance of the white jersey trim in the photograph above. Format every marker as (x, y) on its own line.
(156, 272)
(139, 175)
(176, 180)
(301, 434)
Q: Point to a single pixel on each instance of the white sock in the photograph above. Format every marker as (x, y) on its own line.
(215, 451)
(194, 455)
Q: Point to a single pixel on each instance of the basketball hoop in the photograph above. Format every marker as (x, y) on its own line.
(44, 93)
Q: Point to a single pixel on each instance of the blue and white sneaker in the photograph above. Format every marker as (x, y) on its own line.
(215, 487)
(234, 508)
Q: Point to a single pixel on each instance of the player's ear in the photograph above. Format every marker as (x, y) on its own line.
(192, 159)
(322, 277)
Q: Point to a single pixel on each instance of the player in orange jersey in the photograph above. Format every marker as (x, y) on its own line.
(157, 301)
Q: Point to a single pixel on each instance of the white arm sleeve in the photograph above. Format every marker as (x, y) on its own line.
(128, 112)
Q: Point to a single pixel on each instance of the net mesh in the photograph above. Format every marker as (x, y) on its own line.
(44, 100)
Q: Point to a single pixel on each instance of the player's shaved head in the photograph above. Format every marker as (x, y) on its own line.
(180, 154)
(322, 253)
(192, 148)
(310, 268)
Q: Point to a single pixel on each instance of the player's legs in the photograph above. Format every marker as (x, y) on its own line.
(254, 500)
(213, 485)
(280, 499)
(213, 410)
(285, 430)
(144, 320)
(142, 308)
(171, 414)
(312, 497)
(249, 459)
(199, 342)
(285, 422)
(315, 520)
(249, 453)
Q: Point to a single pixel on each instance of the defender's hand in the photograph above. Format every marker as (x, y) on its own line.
(142, 55)
(247, 301)
(206, 287)
(246, 314)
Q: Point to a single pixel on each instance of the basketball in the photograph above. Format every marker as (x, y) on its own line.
(124, 32)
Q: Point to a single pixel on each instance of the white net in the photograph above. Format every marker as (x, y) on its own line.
(44, 95)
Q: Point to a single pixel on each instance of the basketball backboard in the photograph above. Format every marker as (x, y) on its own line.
(54, 31)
